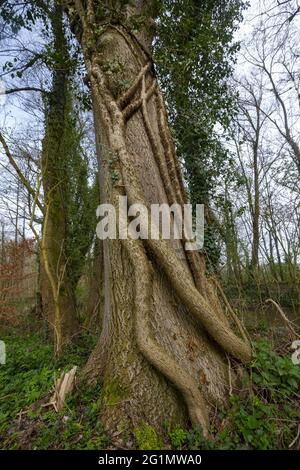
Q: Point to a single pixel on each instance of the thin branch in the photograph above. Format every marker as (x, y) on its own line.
(20, 174)
(17, 90)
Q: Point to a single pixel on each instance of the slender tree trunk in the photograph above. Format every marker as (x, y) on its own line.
(17, 213)
(59, 303)
(162, 350)
(256, 206)
(2, 243)
(95, 298)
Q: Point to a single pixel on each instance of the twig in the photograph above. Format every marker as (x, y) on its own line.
(229, 376)
(296, 438)
(288, 322)
(233, 315)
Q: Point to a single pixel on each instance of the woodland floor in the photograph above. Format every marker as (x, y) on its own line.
(265, 414)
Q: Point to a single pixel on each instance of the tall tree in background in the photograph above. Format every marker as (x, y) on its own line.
(251, 126)
(165, 336)
(61, 308)
(69, 198)
(195, 54)
(69, 208)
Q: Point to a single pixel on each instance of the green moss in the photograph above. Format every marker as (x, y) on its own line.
(178, 437)
(147, 438)
(113, 392)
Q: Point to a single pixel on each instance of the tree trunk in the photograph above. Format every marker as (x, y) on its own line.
(95, 296)
(162, 350)
(256, 205)
(58, 295)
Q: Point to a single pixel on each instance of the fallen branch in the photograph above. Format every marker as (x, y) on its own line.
(63, 386)
(288, 322)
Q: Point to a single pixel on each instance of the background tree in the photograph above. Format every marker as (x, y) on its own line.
(68, 193)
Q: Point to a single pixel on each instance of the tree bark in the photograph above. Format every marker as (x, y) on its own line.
(162, 351)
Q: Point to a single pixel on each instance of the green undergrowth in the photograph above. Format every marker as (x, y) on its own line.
(26, 384)
(263, 413)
